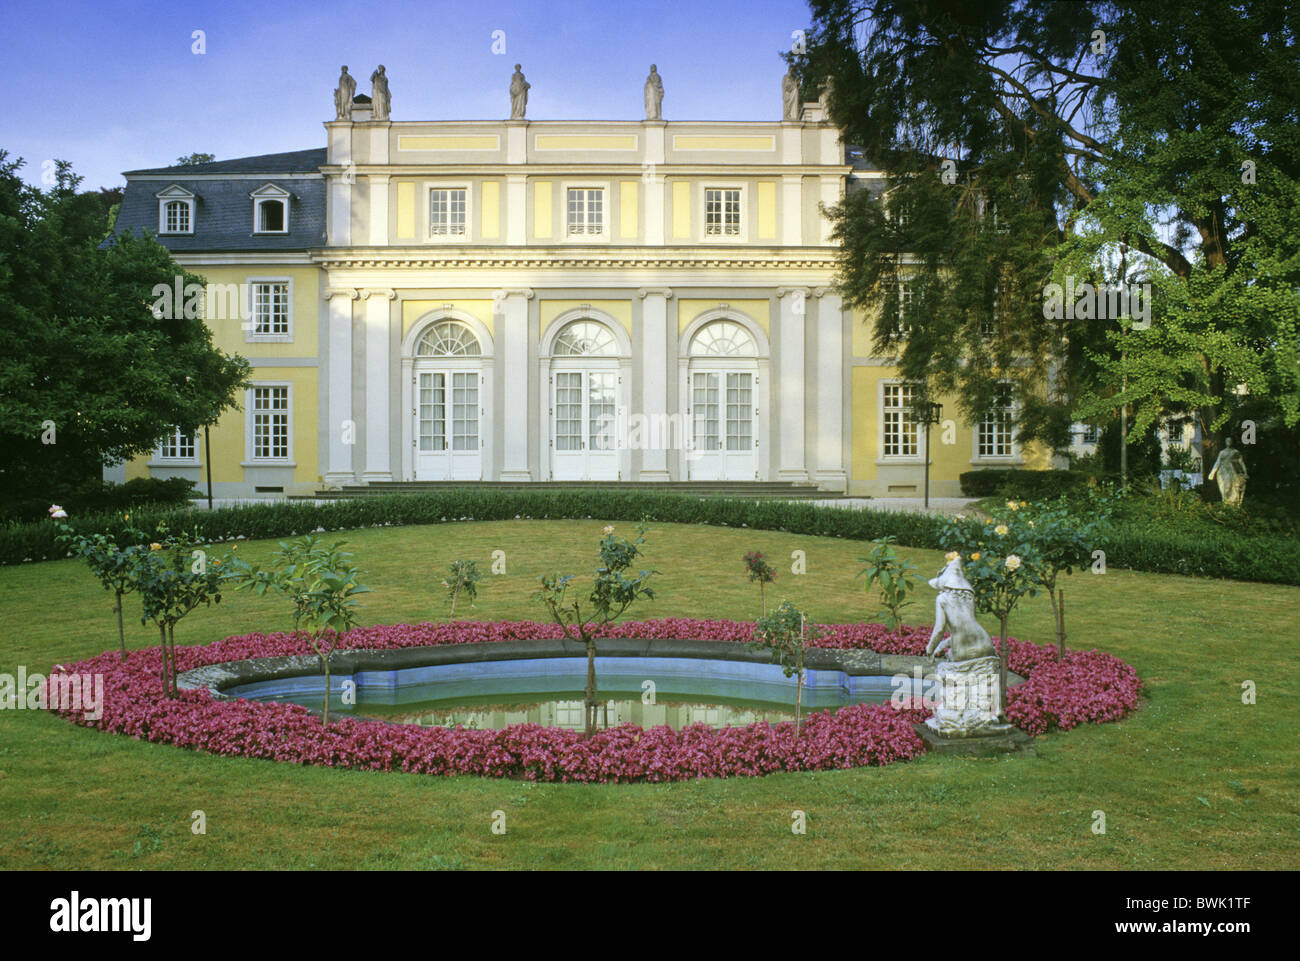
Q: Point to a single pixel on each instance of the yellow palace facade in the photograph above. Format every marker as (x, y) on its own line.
(519, 300)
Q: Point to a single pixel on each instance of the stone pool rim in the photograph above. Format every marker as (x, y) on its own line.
(219, 678)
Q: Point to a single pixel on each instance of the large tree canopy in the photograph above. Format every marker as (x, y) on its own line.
(1033, 143)
(88, 374)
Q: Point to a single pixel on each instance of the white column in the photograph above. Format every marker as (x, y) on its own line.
(340, 208)
(512, 334)
(791, 142)
(379, 210)
(652, 176)
(792, 210)
(654, 379)
(830, 391)
(516, 208)
(832, 188)
(516, 141)
(378, 416)
(790, 383)
(340, 428)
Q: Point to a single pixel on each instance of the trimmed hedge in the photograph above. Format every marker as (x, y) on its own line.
(104, 496)
(1273, 560)
(1028, 484)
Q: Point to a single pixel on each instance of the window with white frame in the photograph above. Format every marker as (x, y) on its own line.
(898, 427)
(177, 446)
(586, 211)
(722, 212)
(176, 217)
(271, 217)
(447, 211)
(270, 309)
(270, 416)
(904, 308)
(1090, 433)
(994, 435)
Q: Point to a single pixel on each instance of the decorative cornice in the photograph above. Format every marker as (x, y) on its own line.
(441, 259)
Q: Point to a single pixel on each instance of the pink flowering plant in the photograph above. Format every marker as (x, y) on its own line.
(758, 569)
(613, 591)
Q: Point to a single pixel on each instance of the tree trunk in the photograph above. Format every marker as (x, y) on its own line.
(121, 630)
(325, 714)
(798, 701)
(1056, 621)
(762, 593)
(454, 592)
(1002, 668)
(1060, 625)
(171, 660)
(590, 693)
(162, 646)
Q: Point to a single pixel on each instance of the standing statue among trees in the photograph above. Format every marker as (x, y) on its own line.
(381, 99)
(518, 94)
(654, 95)
(792, 109)
(1230, 468)
(347, 88)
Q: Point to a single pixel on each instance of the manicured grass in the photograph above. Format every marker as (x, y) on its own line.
(1195, 779)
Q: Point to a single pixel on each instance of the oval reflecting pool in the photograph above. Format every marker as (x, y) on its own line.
(647, 691)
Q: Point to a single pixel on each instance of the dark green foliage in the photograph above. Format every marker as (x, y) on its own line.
(1271, 559)
(96, 496)
(1028, 485)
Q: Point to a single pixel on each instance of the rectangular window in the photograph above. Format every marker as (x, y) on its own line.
(270, 309)
(899, 427)
(1091, 433)
(176, 218)
(904, 308)
(722, 212)
(177, 446)
(447, 212)
(270, 423)
(994, 433)
(586, 211)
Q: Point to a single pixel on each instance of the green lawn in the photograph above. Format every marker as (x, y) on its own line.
(1195, 779)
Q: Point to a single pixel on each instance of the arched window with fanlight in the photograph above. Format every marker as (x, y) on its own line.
(448, 395)
(722, 401)
(584, 402)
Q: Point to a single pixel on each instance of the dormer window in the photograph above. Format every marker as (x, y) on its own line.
(270, 210)
(175, 210)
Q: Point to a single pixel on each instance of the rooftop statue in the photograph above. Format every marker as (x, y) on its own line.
(518, 94)
(792, 109)
(347, 88)
(654, 95)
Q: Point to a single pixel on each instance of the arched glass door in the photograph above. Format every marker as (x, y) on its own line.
(448, 378)
(723, 399)
(584, 403)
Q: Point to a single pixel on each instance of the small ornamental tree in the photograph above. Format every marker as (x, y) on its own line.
(462, 578)
(896, 577)
(760, 570)
(322, 583)
(612, 593)
(786, 633)
(173, 576)
(114, 566)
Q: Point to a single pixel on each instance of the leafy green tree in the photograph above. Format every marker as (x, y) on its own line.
(462, 578)
(1023, 148)
(760, 570)
(895, 577)
(613, 591)
(195, 158)
(88, 375)
(115, 567)
(786, 634)
(322, 583)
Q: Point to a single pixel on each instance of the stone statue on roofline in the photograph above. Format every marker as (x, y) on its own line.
(792, 109)
(654, 95)
(518, 94)
(381, 101)
(343, 95)
(1230, 470)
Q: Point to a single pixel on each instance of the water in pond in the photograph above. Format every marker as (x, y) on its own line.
(647, 691)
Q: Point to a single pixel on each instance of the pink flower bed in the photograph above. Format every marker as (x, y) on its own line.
(1086, 686)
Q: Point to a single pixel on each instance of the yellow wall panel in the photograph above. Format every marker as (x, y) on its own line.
(757, 310)
(227, 331)
(542, 208)
(449, 142)
(413, 310)
(491, 209)
(406, 210)
(681, 210)
(620, 310)
(766, 209)
(558, 141)
(627, 200)
(705, 142)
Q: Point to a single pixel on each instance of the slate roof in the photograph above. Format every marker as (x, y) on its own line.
(223, 209)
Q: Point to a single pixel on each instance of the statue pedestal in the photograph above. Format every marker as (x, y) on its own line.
(970, 698)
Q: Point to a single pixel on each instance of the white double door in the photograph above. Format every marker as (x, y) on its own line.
(724, 424)
(448, 423)
(584, 423)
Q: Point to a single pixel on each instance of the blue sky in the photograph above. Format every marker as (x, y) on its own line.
(115, 86)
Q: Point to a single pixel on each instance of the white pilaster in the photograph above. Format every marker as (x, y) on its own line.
(340, 209)
(790, 382)
(341, 430)
(654, 377)
(378, 210)
(378, 421)
(652, 177)
(791, 142)
(831, 190)
(512, 335)
(830, 390)
(516, 141)
(792, 210)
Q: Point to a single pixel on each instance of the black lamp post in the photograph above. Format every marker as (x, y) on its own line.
(931, 413)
